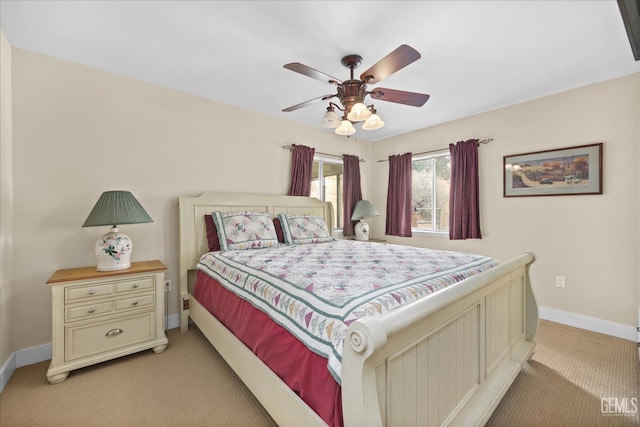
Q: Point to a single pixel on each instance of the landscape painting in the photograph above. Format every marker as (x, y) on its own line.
(565, 171)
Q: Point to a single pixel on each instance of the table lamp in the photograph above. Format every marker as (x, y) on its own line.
(113, 250)
(363, 209)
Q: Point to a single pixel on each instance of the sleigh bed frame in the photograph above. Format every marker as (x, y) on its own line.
(444, 360)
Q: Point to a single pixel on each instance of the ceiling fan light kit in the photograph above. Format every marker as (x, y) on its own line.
(374, 122)
(352, 92)
(358, 112)
(331, 119)
(346, 128)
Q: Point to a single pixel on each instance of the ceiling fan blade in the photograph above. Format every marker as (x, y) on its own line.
(311, 72)
(399, 96)
(396, 60)
(309, 102)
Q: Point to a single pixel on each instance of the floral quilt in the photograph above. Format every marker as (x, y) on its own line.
(316, 291)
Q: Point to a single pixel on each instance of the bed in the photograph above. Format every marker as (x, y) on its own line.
(443, 360)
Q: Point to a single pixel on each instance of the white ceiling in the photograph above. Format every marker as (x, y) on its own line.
(476, 55)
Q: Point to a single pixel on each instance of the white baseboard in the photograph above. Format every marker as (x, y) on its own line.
(40, 353)
(173, 321)
(7, 370)
(589, 323)
(31, 355)
(24, 357)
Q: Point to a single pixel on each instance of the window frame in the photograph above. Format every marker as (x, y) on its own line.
(320, 159)
(426, 156)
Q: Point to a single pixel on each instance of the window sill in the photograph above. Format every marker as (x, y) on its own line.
(430, 233)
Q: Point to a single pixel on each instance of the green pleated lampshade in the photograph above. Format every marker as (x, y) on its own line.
(116, 208)
(364, 209)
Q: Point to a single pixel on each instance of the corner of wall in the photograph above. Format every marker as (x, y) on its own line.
(6, 371)
(6, 208)
(637, 138)
(24, 357)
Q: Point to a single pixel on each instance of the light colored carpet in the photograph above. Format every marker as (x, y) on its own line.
(187, 385)
(565, 381)
(190, 385)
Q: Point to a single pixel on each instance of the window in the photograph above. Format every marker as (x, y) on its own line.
(431, 178)
(326, 185)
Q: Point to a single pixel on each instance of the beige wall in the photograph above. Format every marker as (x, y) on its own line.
(592, 239)
(79, 131)
(6, 200)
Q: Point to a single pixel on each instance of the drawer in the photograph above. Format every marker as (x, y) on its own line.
(140, 284)
(88, 291)
(136, 302)
(100, 338)
(78, 312)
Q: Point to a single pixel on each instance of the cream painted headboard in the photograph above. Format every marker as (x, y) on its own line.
(193, 235)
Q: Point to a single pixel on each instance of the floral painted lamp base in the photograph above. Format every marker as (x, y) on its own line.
(362, 230)
(113, 251)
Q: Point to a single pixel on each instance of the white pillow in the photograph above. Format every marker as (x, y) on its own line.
(304, 229)
(244, 230)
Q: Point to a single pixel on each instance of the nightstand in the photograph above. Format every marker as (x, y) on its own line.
(101, 315)
(371, 240)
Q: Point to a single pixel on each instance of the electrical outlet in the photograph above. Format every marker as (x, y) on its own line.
(561, 282)
(167, 285)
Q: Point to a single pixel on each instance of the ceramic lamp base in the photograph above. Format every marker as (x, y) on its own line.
(362, 230)
(113, 251)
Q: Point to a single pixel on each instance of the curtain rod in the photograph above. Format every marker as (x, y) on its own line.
(482, 141)
(290, 148)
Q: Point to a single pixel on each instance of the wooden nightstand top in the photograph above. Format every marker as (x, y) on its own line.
(83, 273)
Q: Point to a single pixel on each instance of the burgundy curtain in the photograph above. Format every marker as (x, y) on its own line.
(399, 196)
(464, 194)
(351, 191)
(301, 170)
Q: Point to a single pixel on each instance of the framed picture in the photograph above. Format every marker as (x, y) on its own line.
(561, 172)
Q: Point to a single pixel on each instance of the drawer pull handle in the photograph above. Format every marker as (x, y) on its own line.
(135, 286)
(91, 310)
(135, 303)
(92, 291)
(113, 333)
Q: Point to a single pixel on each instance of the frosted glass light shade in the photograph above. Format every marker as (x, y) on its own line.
(345, 128)
(330, 119)
(372, 123)
(359, 112)
(113, 250)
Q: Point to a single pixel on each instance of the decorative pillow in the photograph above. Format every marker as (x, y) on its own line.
(212, 233)
(304, 229)
(244, 230)
(278, 226)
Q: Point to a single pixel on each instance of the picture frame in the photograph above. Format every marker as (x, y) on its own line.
(566, 171)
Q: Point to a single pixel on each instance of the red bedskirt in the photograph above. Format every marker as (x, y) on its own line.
(302, 370)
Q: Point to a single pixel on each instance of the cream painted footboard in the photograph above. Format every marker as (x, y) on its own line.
(444, 360)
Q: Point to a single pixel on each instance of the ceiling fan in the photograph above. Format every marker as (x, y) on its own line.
(352, 92)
